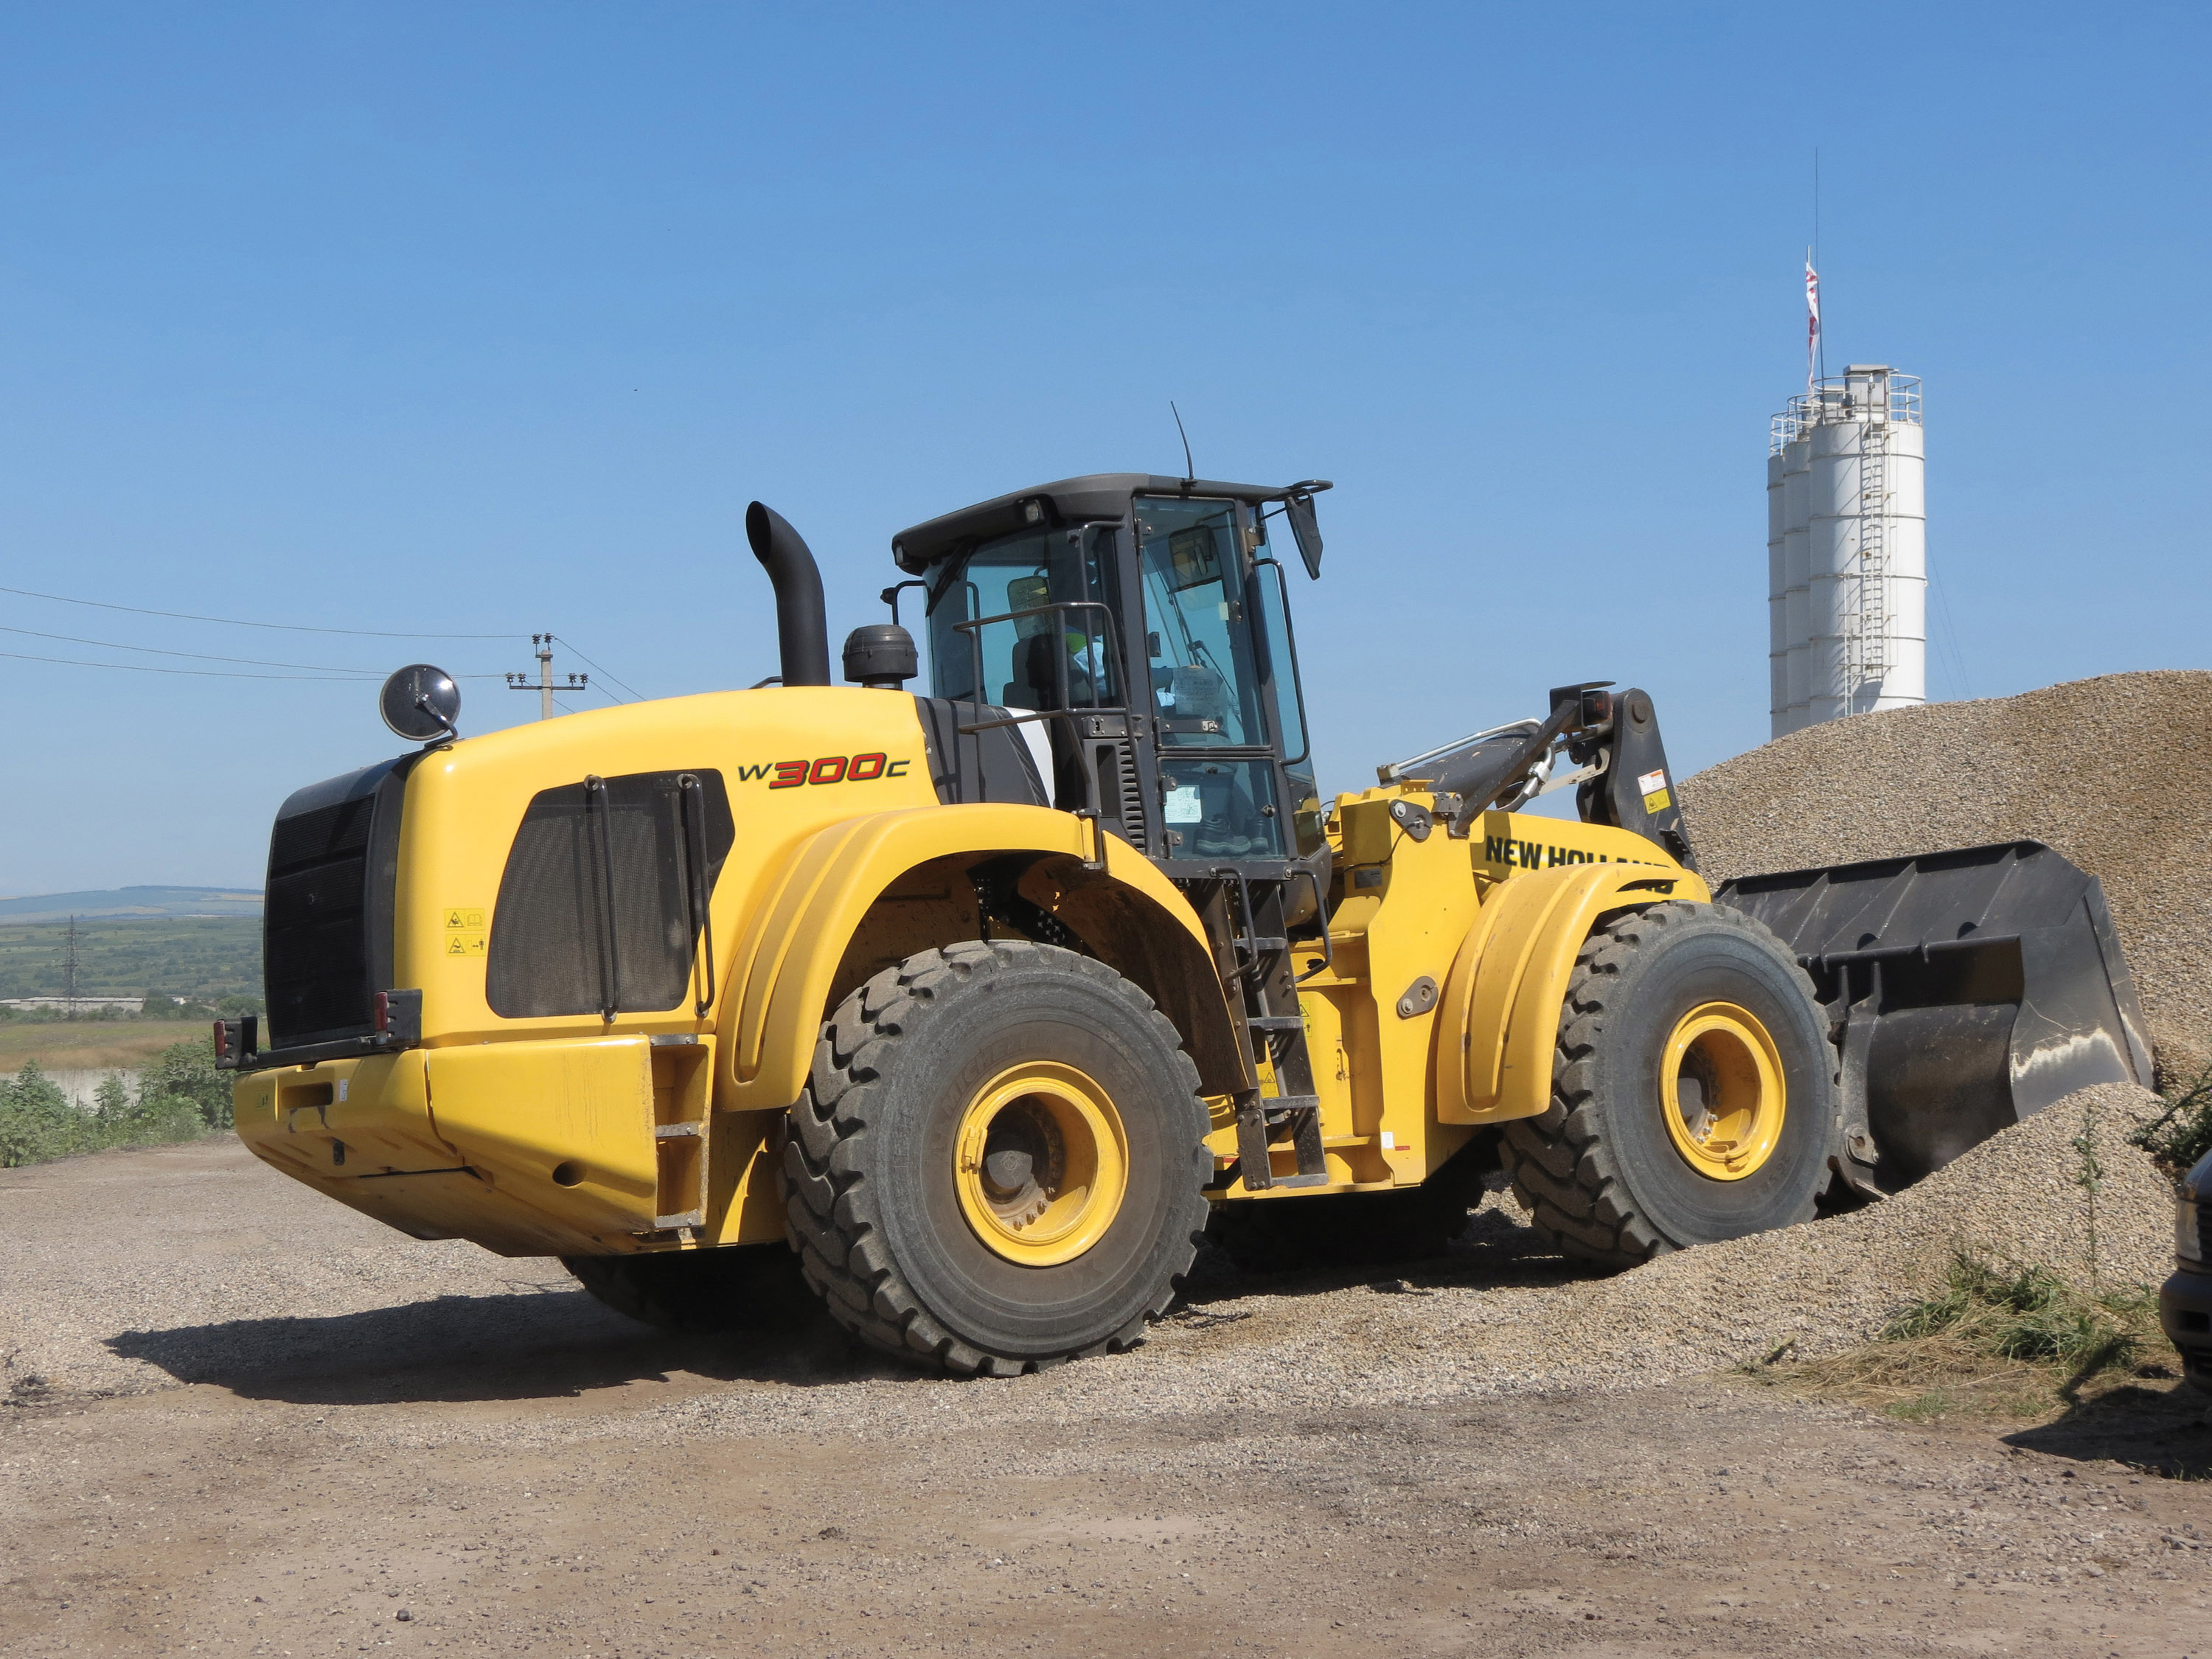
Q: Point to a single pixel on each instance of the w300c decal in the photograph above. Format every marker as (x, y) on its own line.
(830, 769)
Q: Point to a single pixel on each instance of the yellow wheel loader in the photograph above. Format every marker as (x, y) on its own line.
(968, 1010)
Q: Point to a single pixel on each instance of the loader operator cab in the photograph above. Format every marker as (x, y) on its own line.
(1139, 628)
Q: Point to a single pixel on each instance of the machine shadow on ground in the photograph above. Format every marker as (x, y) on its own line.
(557, 1343)
(551, 1345)
(2163, 1431)
(1495, 1252)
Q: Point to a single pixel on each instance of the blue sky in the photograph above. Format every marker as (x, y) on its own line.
(486, 320)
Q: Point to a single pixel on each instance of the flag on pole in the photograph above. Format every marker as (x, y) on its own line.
(1812, 320)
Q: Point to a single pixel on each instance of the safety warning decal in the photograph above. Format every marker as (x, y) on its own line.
(1652, 785)
(465, 932)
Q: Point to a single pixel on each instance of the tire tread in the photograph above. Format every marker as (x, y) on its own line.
(830, 1209)
(1566, 1173)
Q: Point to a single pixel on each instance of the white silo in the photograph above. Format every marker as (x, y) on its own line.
(1777, 590)
(1863, 639)
(1788, 463)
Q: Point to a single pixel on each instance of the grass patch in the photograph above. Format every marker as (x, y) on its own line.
(2010, 1341)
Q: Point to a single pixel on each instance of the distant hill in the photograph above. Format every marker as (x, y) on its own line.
(144, 902)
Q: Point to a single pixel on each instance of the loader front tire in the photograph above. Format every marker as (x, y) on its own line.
(1692, 1090)
(999, 1161)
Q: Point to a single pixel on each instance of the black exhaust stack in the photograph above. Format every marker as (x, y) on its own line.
(802, 622)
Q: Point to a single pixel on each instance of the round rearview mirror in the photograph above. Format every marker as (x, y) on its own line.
(421, 703)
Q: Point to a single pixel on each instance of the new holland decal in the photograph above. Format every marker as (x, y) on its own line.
(1517, 854)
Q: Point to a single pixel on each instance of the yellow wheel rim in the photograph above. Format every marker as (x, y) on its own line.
(1722, 1092)
(1041, 1163)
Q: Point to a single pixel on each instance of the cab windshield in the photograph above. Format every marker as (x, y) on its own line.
(1204, 683)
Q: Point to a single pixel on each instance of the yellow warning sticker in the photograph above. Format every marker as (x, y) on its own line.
(458, 918)
(1657, 803)
(465, 944)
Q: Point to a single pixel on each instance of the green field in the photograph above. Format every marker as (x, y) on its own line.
(202, 957)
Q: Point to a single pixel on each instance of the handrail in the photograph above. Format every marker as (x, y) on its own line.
(694, 795)
(595, 791)
(974, 630)
(1320, 914)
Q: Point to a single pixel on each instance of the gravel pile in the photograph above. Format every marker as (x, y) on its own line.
(2115, 773)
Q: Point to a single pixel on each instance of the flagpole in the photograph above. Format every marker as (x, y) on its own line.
(1819, 341)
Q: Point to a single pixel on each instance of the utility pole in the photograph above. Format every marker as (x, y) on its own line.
(544, 683)
(69, 971)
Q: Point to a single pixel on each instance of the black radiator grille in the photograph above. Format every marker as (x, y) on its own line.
(326, 920)
(558, 946)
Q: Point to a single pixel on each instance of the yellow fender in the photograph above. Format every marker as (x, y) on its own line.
(1499, 1018)
(782, 971)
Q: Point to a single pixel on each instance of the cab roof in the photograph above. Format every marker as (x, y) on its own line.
(1072, 500)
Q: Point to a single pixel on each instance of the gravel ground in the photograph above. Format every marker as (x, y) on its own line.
(341, 1440)
(2116, 773)
(238, 1291)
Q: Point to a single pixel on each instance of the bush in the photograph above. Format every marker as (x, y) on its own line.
(182, 1097)
(151, 1120)
(37, 1122)
(2182, 1134)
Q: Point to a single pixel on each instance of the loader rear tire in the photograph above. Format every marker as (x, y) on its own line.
(999, 1161)
(736, 1287)
(1617, 1171)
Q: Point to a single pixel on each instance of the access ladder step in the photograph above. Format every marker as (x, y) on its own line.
(1258, 1120)
(1276, 1022)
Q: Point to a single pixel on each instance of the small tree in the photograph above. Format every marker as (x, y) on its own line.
(186, 1073)
(112, 1105)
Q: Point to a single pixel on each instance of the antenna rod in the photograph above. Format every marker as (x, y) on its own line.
(1190, 471)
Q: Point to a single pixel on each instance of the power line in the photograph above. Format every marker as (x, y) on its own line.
(198, 656)
(1950, 628)
(336, 677)
(340, 678)
(588, 663)
(233, 622)
(312, 670)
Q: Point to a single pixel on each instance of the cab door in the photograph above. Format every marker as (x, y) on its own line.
(1208, 683)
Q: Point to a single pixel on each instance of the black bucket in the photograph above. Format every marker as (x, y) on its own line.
(1966, 989)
